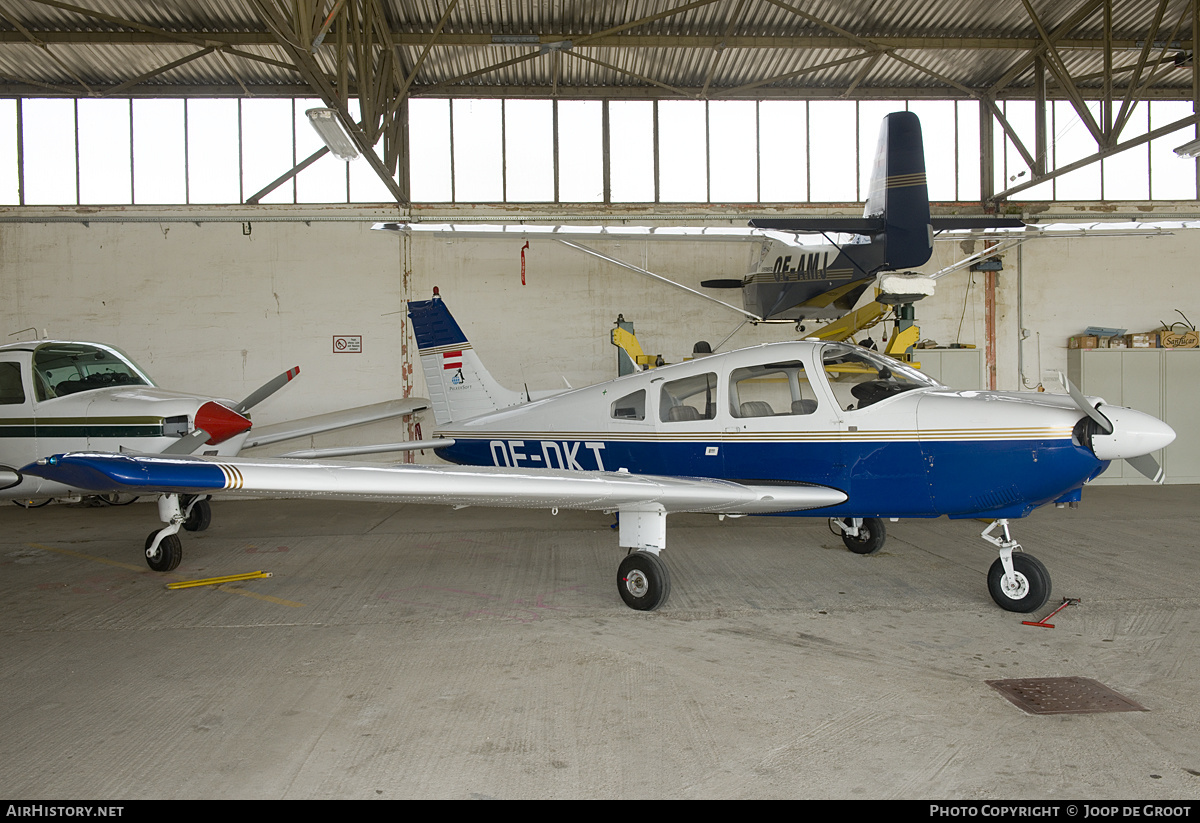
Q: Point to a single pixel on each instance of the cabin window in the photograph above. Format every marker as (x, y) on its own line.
(630, 407)
(12, 393)
(67, 368)
(692, 398)
(860, 378)
(771, 389)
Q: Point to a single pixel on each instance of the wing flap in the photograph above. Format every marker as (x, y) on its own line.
(452, 485)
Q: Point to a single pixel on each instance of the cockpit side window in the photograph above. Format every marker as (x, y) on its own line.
(771, 389)
(12, 393)
(68, 368)
(690, 398)
(859, 378)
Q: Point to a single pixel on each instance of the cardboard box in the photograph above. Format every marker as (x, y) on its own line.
(1118, 342)
(1178, 338)
(1142, 340)
(1083, 341)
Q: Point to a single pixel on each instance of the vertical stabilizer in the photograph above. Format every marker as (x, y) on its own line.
(899, 193)
(459, 386)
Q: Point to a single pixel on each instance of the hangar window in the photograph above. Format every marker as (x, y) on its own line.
(62, 151)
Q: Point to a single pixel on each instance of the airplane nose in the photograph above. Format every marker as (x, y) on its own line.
(1134, 433)
(220, 422)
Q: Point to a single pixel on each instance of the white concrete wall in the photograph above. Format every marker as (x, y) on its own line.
(207, 309)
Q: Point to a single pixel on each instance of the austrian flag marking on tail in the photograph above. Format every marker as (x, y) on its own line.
(452, 360)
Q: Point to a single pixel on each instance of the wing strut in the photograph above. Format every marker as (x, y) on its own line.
(639, 270)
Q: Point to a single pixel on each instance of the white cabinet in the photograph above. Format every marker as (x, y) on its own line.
(1161, 382)
(957, 368)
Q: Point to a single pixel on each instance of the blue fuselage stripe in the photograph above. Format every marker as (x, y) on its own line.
(910, 478)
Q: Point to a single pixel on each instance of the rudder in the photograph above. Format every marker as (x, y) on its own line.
(459, 386)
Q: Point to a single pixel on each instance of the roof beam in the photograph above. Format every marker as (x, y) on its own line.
(411, 39)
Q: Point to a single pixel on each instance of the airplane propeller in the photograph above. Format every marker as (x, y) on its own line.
(1124, 434)
(216, 422)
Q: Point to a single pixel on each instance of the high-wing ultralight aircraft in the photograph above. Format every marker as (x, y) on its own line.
(58, 395)
(801, 428)
(895, 232)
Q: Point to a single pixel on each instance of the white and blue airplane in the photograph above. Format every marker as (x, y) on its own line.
(67, 395)
(801, 428)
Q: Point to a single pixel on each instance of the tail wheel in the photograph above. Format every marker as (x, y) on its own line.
(643, 581)
(870, 537)
(1029, 588)
(168, 554)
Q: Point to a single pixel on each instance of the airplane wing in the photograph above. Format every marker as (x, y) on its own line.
(307, 426)
(105, 472)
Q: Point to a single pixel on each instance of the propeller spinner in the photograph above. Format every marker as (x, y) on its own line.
(1123, 433)
(216, 423)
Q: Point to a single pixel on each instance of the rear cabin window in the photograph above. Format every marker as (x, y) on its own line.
(630, 407)
(771, 389)
(692, 398)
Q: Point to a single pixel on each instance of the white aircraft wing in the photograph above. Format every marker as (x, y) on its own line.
(308, 426)
(451, 485)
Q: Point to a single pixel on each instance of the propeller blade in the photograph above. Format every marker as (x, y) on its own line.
(266, 390)
(721, 284)
(189, 443)
(1086, 407)
(1148, 466)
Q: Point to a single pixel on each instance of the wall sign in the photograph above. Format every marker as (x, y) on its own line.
(347, 344)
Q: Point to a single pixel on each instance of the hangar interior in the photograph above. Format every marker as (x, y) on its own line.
(161, 191)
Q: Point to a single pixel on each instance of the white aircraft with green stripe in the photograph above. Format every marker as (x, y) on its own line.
(59, 396)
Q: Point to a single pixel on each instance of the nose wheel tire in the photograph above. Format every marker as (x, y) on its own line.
(168, 554)
(643, 581)
(870, 537)
(1029, 589)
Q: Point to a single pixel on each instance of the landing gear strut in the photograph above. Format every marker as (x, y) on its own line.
(1018, 582)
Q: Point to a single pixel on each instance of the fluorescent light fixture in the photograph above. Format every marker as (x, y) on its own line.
(1189, 150)
(333, 133)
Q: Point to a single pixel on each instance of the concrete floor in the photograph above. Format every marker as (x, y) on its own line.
(410, 651)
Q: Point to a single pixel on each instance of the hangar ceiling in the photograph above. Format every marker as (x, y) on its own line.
(1117, 52)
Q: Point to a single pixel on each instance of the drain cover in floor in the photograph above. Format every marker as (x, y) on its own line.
(1064, 695)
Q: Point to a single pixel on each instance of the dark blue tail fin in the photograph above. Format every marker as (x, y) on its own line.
(899, 194)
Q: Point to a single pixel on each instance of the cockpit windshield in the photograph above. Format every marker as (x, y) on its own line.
(860, 378)
(60, 369)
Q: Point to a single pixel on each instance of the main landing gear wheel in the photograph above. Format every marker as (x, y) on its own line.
(168, 555)
(643, 581)
(199, 517)
(870, 537)
(1029, 589)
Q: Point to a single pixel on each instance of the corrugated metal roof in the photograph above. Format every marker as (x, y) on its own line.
(659, 48)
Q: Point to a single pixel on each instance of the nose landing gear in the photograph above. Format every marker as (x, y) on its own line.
(1018, 582)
